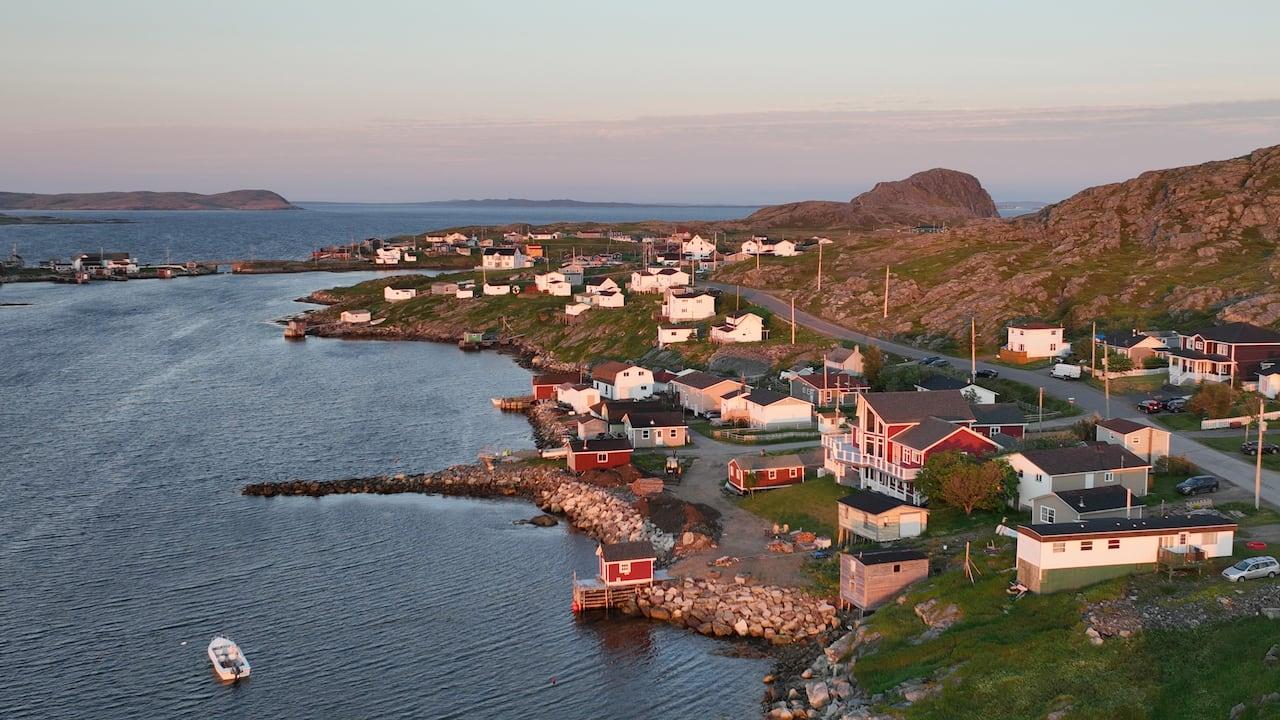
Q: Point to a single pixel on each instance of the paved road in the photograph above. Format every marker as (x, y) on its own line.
(1234, 470)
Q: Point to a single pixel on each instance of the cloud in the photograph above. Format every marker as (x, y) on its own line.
(1043, 153)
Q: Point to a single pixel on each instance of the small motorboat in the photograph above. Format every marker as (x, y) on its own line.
(228, 662)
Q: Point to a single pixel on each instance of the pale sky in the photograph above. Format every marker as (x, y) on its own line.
(659, 101)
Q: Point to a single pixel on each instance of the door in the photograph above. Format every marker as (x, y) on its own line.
(1088, 481)
(909, 524)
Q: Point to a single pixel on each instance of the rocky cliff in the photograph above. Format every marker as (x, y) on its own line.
(146, 200)
(932, 196)
(1169, 248)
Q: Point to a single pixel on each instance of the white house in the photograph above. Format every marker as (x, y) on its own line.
(503, 258)
(684, 305)
(1029, 341)
(395, 294)
(740, 328)
(1065, 556)
(848, 360)
(652, 280)
(697, 248)
(601, 284)
(975, 393)
(455, 237)
(386, 256)
(111, 263)
(668, 259)
(1269, 380)
(544, 235)
(543, 281)
(702, 393)
(1145, 441)
(355, 316)
(622, 381)
(576, 309)
(672, 334)
(465, 292)
(785, 248)
(578, 396)
(1080, 467)
(768, 410)
(502, 289)
(757, 245)
(603, 299)
(573, 273)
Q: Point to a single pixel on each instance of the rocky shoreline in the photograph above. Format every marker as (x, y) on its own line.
(779, 615)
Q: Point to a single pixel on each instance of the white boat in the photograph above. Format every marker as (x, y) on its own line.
(228, 662)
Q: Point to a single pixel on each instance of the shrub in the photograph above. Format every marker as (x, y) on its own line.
(1151, 362)
(1119, 363)
(873, 366)
(1174, 465)
(1212, 400)
(899, 377)
(1085, 429)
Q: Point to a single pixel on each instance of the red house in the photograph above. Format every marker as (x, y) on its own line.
(1226, 353)
(544, 384)
(993, 419)
(626, 563)
(601, 454)
(763, 472)
(895, 433)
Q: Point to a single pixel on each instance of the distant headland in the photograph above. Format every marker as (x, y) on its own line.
(524, 202)
(147, 200)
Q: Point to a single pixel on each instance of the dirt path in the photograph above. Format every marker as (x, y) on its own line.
(744, 535)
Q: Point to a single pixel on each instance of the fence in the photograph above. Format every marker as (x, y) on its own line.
(1235, 422)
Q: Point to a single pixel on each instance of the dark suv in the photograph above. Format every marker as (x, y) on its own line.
(1250, 447)
(1197, 484)
(1151, 407)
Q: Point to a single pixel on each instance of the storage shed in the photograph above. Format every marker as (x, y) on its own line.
(871, 579)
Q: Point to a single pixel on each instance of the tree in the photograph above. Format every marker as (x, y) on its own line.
(1212, 400)
(958, 480)
(872, 365)
(900, 377)
(1117, 362)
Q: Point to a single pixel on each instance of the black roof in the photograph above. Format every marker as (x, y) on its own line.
(914, 406)
(872, 502)
(1089, 457)
(1238, 332)
(1121, 525)
(880, 557)
(942, 382)
(998, 414)
(1197, 355)
(500, 251)
(765, 397)
(1123, 426)
(614, 552)
(1096, 499)
(663, 419)
(602, 445)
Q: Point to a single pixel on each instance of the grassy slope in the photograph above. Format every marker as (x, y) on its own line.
(810, 505)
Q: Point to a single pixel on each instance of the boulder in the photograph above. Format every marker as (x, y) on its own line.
(817, 693)
(544, 520)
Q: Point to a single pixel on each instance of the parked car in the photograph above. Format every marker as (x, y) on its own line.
(1151, 407)
(1064, 371)
(1250, 447)
(1176, 405)
(1254, 567)
(929, 360)
(985, 373)
(1197, 484)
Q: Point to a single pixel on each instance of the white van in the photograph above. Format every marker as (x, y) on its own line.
(1063, 371)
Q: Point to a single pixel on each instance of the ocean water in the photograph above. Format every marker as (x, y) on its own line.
(153, 236)
(130, 416)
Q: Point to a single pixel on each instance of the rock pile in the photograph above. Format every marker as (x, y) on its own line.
(824, 688)
(777, 614)
(595, 511)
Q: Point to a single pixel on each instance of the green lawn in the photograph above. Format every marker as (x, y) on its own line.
(947, 520)
(810, 505)
(1014, 391)
(1266, 515)
(1133, 385)
(1162, 489)
(1178, 421)
(1231, 446)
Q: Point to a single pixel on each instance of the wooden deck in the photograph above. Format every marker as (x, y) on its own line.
(519, 403)
(593, 594)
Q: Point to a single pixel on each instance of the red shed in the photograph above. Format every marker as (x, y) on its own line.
(587, 455)
(626, 563)
(768, 471)
(544, 384)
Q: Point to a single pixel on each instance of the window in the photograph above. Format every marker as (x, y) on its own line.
(897, 568)
(602, 457)
(1209, 538)
(1108, 477)
(1059, 547)
(624, 568)
(1039, 477)
(1046, 514)
(672, 432)
(773, 474)
(1052, 347)
(644, 434)
(1086, 545)
(1113, 544)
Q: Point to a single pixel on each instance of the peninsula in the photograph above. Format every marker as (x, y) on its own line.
(147, 200)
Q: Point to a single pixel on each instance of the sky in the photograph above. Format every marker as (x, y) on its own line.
(693, 102)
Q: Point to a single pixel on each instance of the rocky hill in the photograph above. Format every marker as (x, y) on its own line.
(1169, 248)
(146, 200)
(932, 196)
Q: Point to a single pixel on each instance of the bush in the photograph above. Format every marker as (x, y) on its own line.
(961, 481)
(1174, 465)
(1119, 363)
(1212, 400)
(1086, 429)
(1151, 362)
(899, 377)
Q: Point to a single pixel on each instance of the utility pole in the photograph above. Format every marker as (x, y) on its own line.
(1106, 382)
(973, 349)
(737, 298)
(886, 292)
(793, 321)
(1040, 419)
(1093, 350)
(1257, 463)
(819, 266)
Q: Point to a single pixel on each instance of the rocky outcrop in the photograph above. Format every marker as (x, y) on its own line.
(779, 615)
(933, 196)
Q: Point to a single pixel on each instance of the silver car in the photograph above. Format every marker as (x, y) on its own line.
(1254, 567)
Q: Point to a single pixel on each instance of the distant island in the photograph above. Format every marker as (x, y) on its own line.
(146, 200)
(51, 220)
(524, 202)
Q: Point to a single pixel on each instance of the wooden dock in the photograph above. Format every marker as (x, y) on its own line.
(594, 594)
(519, 403)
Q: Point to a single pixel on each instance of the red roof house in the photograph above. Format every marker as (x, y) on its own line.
(764, 472)
(544, 384)
(626, 563)
(601, 454)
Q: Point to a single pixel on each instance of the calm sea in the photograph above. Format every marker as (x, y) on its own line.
(130, 415)
(225, 235)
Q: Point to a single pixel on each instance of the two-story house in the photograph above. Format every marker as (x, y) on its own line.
(687, 304)
(652, 280)
(844, 360)
(697, 248)
(622, 381)
(502, 258)
(828, 389)
(701, 393)
(1080, 467)
(1234, 352)
(740, 328)
(895, 433)
(1031, 341)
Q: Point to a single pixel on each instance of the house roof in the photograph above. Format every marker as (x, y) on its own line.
(1114, 526)
(602, 445)
(942, 382)
(767, 397)
(769, 462)
(1090, 457)
(913, 406)
(1197, 355)
(823, 381)
(1238, 332)
(701, 380)
(555, 378)
(663, 376)
(661, 419)
(998, 414)
(623, 551)
(1035, 325)
(928, 433)
(1273, 370)
(1096, 499)
(1126, 339)
(688, 293)
(608, 370)
(840, 354)
(499, 251)
(883, 557)
(616, 409)
(872, 502)
(1123, 426)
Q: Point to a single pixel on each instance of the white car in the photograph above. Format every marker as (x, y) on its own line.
(1254, 567)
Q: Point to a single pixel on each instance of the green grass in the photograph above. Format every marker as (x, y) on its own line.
(1231, 446)
(810, 505)
(1162, 490)
(1178, 421)
(1202, 673)
(946, 520)
(1265, 515)
(1132, 385)
(1012, 390)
